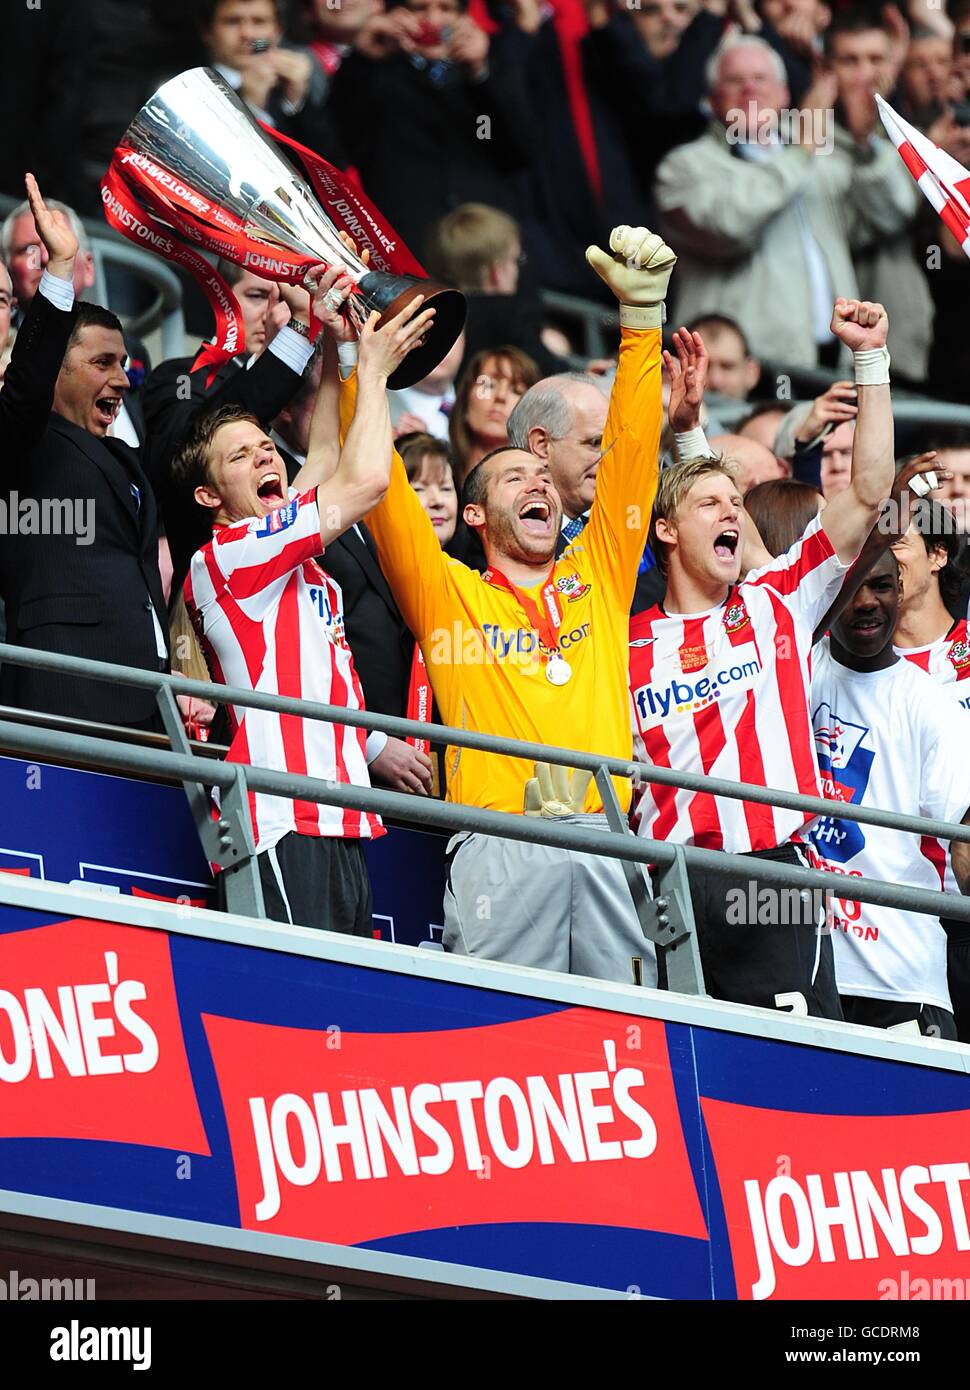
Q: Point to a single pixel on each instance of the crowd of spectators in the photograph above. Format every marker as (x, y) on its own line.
(502, 140)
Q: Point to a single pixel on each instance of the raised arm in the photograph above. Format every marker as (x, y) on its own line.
(27, 398)
(363, 472)
(323, 448)
(849, 517)
(637, 269)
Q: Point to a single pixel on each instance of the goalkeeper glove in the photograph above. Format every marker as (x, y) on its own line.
(555, 791)
(637, 269)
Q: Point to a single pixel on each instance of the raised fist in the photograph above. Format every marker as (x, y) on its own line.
(859, 324)
(636, 268)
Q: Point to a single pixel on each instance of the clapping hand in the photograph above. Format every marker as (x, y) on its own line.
(469, 46)
(833, 407)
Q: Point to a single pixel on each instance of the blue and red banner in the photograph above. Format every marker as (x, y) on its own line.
(429, 1114)
(262, 1091)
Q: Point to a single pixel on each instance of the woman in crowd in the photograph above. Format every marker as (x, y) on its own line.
(428, 464)
(489, 388)
(430, 468)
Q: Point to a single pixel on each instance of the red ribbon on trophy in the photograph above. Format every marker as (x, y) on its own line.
(157, 207)
(128, 217)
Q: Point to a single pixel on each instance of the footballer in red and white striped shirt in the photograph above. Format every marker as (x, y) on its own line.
(724, 692)
(720, 672)
(931, 586)
(928, 636)
(271, 619)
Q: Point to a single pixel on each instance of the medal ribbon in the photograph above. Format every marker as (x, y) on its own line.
(419, 698)
(547, 621)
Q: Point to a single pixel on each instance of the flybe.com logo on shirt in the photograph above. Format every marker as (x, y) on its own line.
(683, 696)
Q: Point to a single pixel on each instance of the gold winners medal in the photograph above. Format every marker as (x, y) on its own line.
(558, 671)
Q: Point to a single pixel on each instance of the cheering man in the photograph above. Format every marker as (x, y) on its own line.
(719, 676)
(929, 637)
(271, 619)
(535, 648)
(888, 736)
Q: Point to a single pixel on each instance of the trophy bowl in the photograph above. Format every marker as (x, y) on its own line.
(209, 169)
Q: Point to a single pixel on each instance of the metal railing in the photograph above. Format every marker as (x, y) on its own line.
(666, 920)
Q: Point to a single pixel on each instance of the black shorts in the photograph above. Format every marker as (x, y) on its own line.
(958, 974)
(316, 881)
(765, 944)
(933, 1021)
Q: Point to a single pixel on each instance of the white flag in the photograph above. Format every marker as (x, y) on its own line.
(943, 180)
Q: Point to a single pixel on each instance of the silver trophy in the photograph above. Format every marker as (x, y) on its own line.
(227, 185)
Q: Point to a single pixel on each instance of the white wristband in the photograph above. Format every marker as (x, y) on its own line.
(871, 367)
(643, 315)
(692, 444)
(347, 354)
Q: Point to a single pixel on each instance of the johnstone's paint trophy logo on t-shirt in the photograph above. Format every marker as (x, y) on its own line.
(845, 767)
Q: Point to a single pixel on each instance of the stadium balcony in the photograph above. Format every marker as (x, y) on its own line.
(588, 1138)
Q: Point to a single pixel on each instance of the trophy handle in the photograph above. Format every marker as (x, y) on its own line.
(389, 294)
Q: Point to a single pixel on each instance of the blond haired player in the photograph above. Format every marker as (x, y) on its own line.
(536, 649)
(719, 677)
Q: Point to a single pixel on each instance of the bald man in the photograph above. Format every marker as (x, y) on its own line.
(753, 461)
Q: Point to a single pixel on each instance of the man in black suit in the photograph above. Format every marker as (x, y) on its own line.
(78, 565)
(26, 256)
(282, 84)
(174, 395)
(383, 647)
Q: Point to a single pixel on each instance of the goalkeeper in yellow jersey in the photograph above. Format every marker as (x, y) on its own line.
(536, 648)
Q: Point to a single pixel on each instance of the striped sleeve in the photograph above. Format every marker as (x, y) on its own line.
(253, 555)
(807, 576)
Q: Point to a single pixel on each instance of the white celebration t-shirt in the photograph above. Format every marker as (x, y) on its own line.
(889, 739)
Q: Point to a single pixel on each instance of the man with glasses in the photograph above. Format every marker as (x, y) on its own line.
(767, 207)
